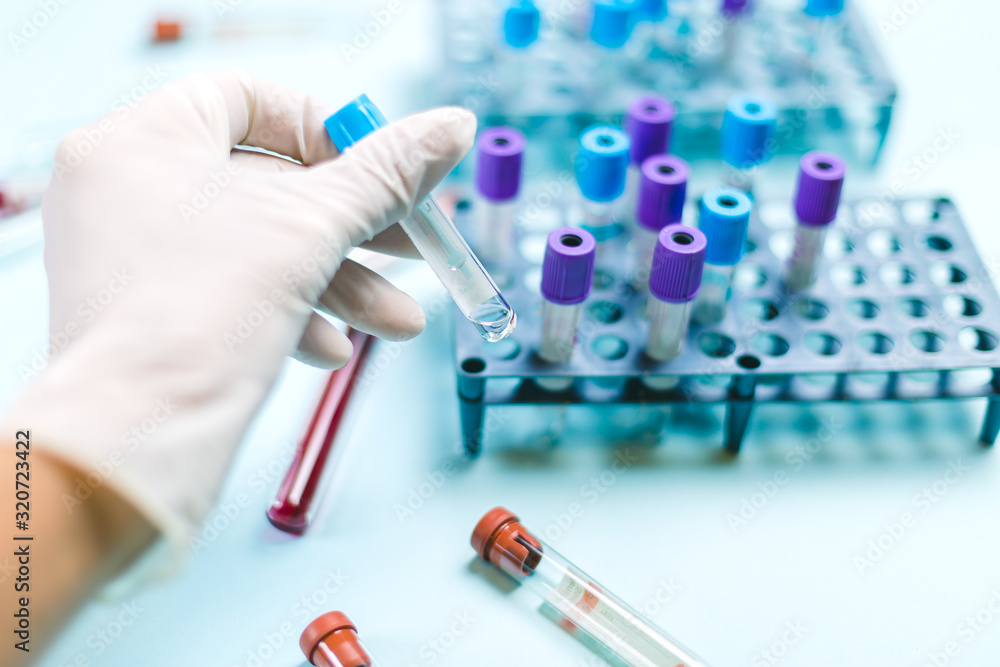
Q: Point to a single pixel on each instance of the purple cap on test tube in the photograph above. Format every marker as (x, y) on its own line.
(568, 268)
(648, 122)
(821, 178)
(662, 189)
(678, 260)
(736, 7)
(498, 171)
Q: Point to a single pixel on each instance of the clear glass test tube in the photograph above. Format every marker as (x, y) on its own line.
(817, 198)
(332, 641)
(724, 218)
(583, 607)
(435, 236)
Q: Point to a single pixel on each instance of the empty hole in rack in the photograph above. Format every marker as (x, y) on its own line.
(748, 362)
(875, 342)
(810, 309)
(503, 350)
(716, 345)
(875, 213)
(607, 312)
(769, 344)
(764, 310)
(920, 212)
(776, 214)
(911, 306)
(847, 275)
(882, 243)
(609, 347)
(958, 305)
(822, 343)
(979, 340)
(603, 279)
(837, 244)
(473, 365)
(939, 243)
(532, 247)
(748, 277)
(751, 246)
(463, 205)
(895, 274)
(863, 308)
(926, 340)
(944, 274)
(781, 244)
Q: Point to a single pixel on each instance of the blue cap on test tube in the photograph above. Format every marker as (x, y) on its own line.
(520, 24)
(612, 25)
(602, 163)
(650, 10)
(723, 219)
(824, 7)
(357, 119)
(747, 129)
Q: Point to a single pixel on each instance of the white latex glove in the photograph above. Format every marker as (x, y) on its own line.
(182, 272)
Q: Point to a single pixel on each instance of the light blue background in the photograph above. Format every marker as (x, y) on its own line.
(662, 524)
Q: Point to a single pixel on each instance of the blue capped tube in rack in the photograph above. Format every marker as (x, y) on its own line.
(500, 151)
(817, 198)
(748, 128)
(601, 166)
(724, 218)
(434, 235)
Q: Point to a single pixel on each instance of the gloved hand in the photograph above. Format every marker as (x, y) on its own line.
(182, 271)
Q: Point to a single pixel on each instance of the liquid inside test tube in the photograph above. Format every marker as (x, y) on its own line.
(435, 236)
(582, 606)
